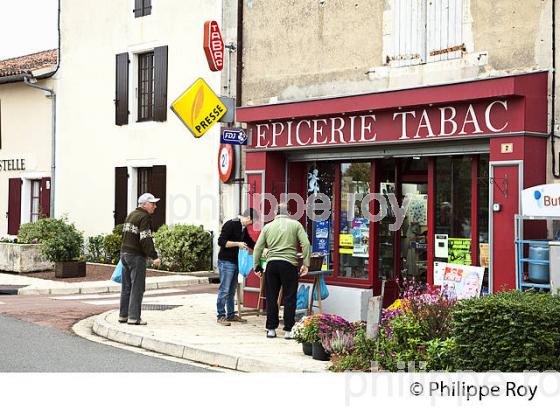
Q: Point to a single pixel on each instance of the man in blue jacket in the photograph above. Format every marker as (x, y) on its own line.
(234, 236)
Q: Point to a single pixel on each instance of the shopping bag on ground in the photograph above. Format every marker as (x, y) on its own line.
(245, 262)
(302, 298)
(324, 289)
(117, 273)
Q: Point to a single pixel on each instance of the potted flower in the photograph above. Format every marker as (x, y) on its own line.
(306, 332)
(64, 248)
(328, 325)
(338, 344)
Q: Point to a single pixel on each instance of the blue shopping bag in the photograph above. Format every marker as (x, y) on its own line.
(302, 297)
(324, 289)
(244, 262)
(117, 273)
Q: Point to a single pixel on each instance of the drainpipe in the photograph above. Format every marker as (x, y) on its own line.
(555, 173)
(238, 90)
(30, 81)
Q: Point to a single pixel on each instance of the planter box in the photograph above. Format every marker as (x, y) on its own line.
(70, 270)
(16, 257)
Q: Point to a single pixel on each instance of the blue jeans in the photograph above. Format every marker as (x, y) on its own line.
(228, 286)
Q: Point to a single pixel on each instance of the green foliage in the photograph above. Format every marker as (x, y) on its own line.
(184, 248)
(94, 248)
(307, 329)
(361, 357)
(37, 232)
(63, 243)
(508, 331)
(112, 246)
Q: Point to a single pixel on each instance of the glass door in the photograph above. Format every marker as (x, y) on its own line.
(414, 231)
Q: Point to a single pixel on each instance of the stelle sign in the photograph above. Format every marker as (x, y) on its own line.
(213, 45)
(398, 125)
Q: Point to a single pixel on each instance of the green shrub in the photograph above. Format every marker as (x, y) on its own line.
(508, 331)
(184, 248)
(112, 246)
(64, 243)
(94, 249)
(38, 231)
(364, 353)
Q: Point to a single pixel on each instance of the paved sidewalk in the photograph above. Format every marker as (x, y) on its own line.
(34, 286)
(190, 332)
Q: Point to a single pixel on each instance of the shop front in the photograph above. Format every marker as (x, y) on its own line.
(413, 177)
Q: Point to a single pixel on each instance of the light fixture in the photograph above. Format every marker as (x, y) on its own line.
(416, 157)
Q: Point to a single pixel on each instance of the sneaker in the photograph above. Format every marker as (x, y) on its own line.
(236, 318)
(270, 333)
(137, 322)
(288, 335)
(223, 321)
(123, 319)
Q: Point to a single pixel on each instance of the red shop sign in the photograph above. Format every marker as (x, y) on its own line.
(213, 45)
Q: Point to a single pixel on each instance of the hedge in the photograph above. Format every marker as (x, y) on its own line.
(509, 332)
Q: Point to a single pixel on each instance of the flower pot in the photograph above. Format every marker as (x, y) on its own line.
(319, 352)
(70, 270)
(307, 348)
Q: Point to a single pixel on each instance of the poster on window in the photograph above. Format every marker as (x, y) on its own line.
(386, 189)
(346, 244)
(360, 237)
(321, 237)
(461, 281)
(459, 251)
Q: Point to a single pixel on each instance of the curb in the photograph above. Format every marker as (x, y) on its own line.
(103, 328)
(111, 287)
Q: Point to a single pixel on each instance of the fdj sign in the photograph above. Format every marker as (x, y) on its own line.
(199, 108)
(235, 137)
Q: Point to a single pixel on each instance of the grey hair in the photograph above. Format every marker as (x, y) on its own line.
(282, 209)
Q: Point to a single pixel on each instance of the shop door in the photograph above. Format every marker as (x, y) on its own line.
(414, 231)
(505, 204)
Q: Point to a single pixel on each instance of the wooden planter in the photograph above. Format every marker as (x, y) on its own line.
(21, 258)
(70, 270)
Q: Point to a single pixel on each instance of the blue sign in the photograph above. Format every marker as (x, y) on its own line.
(234, 137)
(321, 237)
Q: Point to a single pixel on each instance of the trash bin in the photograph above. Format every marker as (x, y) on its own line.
(539, 266)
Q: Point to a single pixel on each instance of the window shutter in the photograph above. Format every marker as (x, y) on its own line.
(138, 8)
(45, 197)
(445, 33)
(14, 205)
(121, 195)
(121, 97)
(147, 7)
(409, 32)
(160, 83)
(159, 189)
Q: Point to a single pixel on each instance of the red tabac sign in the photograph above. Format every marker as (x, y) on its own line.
(213, 45)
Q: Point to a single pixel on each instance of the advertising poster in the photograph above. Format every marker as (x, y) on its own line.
(461, 281)
(360, 236)
(439, 271)
(484, 256)
(459, 251)
(321, 237)
(346, 244)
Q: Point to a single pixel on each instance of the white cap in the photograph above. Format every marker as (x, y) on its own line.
(147, 197)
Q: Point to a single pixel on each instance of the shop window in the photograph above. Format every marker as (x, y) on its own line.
(387, 238)
(320, 179)
(426, 31)
(453, 208)
(483, 233)
(354, 224)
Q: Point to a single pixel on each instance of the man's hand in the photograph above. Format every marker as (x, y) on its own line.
(303, 270)
(157, 262)
(242, 245)
(258, 271)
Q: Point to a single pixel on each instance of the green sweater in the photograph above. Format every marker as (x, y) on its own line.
(137, 234)
(281, 237)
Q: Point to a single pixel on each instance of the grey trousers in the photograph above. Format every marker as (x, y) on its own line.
(133, 285)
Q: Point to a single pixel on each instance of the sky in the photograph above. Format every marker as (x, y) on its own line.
(27, 26)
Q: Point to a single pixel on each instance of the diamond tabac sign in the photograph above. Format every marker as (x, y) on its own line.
(199, 108)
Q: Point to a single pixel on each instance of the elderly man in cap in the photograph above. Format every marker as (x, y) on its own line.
(137, 246)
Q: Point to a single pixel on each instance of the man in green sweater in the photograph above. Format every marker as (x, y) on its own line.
(137, 245)
(281, 237)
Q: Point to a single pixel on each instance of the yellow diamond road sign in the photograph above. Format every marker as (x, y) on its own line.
(199, 108)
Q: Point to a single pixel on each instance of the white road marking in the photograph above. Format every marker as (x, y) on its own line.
(2, 303)
(115, 295)
(162, 300)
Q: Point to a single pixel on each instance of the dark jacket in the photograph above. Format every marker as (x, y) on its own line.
(233, 231)
(138, 234)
